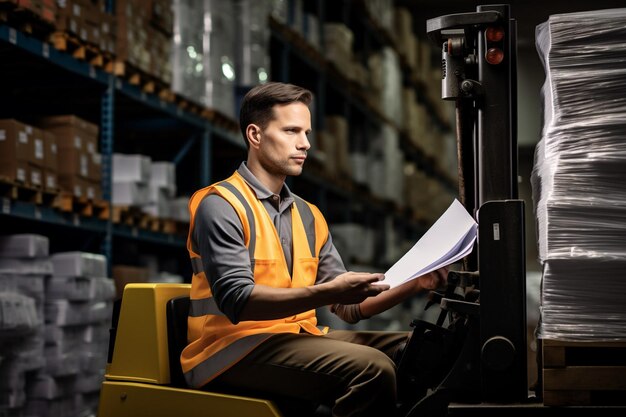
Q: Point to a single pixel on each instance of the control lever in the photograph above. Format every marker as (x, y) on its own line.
(458, 283)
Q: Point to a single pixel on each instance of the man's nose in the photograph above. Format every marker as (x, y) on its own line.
(303, 142)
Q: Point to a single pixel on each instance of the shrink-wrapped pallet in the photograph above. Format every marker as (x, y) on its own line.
(580, 165)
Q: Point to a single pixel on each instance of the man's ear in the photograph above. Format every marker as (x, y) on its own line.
(253, 134)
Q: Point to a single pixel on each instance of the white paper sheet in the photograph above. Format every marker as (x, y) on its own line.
(450, 239)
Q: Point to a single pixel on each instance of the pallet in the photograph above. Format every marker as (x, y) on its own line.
(134, 217)
(69, 203)
(220, 120)
(584, 373)
(128, 215)
(15, 190)
(148, 83)
(81, 50)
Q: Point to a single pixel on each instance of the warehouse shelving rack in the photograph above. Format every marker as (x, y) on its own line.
(295, 60)
(124, 112)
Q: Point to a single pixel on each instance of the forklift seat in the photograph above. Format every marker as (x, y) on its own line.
(177, 311)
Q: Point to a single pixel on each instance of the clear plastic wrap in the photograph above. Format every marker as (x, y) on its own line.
(578, 176)
(203, 60)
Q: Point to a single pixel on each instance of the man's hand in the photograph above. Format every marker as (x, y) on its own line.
(354, 287)
(433, 280)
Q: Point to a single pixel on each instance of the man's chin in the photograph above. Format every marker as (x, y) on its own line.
(294, 171)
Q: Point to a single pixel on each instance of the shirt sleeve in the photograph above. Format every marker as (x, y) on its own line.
(218, 233)
(331, 265)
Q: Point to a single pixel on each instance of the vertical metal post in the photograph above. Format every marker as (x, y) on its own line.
(206, 155)
(106, 149)
(496, 146)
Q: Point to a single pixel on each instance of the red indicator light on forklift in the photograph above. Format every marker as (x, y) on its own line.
(494, 34)
(494, 56)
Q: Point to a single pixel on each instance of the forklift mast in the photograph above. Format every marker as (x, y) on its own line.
(479, 74)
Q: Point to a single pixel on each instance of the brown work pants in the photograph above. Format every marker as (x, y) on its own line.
(350, 371)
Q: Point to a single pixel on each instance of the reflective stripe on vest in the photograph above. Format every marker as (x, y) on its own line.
(215, 343)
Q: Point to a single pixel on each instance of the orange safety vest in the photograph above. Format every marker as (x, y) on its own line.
(215, 343)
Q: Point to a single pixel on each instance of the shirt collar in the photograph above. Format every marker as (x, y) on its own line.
(259, 189)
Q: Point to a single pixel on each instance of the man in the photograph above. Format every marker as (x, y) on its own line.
(264, 261)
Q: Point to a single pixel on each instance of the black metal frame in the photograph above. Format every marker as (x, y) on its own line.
(491, 363)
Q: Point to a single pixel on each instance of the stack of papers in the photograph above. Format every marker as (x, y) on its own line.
(451, 238)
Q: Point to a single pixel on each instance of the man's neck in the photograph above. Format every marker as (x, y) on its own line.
(274, 183)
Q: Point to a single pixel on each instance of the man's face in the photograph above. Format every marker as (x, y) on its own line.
(284, 143)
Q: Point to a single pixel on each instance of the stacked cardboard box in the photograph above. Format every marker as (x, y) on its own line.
(131, 176)
(405, 38)
(78, 306)
(44, 9)
(338, 42)
(27, 155)
(89, 21)
(24, 265)
(15, 151)
(78, 161)
(162, 188)
(381, 12)
(179, 209)
(55, 315)
(144, 36)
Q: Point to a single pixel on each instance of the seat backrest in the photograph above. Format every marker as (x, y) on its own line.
(177, 311)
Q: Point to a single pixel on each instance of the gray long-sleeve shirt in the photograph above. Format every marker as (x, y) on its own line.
(219, 236)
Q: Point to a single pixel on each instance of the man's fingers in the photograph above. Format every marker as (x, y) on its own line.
(381, 287)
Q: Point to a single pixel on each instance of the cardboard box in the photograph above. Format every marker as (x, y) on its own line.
(93, 190)
(125, 274)
(73, 162)
(95, 167)
(69, 120)
(15, 141)
(14, 170)
(72, 184)
(50, 180)
(50, 150)
(131, 168)
(79, 264)
(24, 246)
(35, 176)
(130, 194)
(38, 157)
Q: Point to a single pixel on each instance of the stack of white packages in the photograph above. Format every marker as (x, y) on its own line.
(162, 189)
(203, 60)
(24, 265)
(578, 177)
(78, 306)
(252, 42)
(131, 179)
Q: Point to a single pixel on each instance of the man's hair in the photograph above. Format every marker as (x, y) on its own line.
(257, 105)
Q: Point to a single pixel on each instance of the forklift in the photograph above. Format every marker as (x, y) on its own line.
(479, 340)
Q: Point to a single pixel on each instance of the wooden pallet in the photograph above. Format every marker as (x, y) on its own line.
(133, 216)
(128, 215)
(584, 373)
(25, 192)
(146, 82)
(69, 203)
(81, 50)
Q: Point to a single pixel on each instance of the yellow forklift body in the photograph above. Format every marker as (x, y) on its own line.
(131, 399)
(137, 381)
(141, 352)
